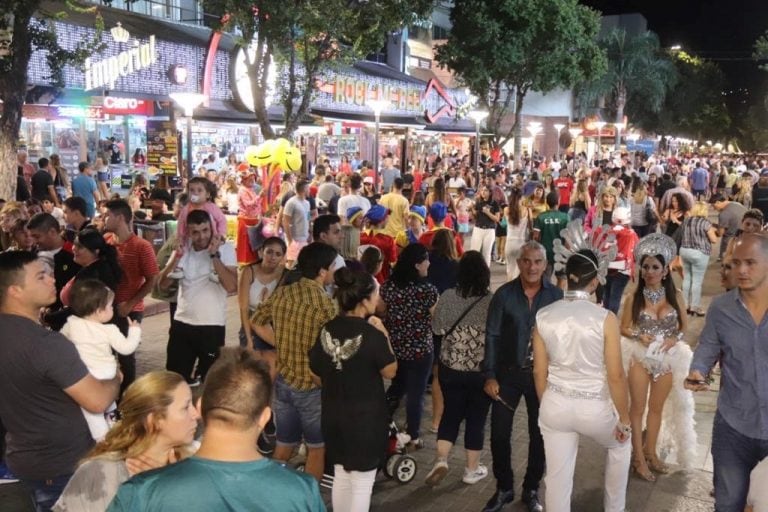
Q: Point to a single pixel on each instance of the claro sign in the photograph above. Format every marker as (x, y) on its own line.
(106, 72)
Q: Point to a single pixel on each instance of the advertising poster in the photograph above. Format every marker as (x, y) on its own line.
(162, 148)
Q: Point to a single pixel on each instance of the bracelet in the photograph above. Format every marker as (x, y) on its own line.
(624, 429)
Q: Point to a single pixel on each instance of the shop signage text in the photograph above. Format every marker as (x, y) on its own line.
(127, 106)
(106, 72)
(80, 112)
(357, 92)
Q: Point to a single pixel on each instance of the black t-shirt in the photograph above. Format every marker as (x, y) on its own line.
(483, 221)
(355, 417)
(41, 180)
(46, 431)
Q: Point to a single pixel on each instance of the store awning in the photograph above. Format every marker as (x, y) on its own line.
(384, 121)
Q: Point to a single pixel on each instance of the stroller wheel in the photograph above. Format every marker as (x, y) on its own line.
(389, 467)
(405, 469)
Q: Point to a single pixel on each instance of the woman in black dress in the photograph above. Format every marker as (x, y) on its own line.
(351, 356)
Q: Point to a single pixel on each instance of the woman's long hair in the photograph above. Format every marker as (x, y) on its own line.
(438, 191)
(405, 272)
(474, 276)
(513, 206)
(92, 240)
(670, 292)
(444, 244)
(135, 432)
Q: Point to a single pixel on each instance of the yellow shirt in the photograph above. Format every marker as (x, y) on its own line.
(398, 216)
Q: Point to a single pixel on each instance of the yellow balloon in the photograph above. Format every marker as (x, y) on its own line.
(291, 160)
(265, 153)
(279, 153)
(282, 143)
(250, 155)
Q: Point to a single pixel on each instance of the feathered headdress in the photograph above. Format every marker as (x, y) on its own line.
(656, 244)
(602, 242)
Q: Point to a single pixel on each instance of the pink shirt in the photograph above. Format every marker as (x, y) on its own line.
(218, 220)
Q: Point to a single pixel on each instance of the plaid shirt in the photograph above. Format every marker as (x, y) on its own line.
(296, 312)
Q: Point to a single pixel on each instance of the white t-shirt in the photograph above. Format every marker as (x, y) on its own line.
(202, 301)
(758, 490)
(457, 182)
(350, 200)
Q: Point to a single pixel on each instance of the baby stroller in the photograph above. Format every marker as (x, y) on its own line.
(399, 466)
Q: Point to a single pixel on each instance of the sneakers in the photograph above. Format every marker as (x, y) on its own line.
(472, 477)
(416, 444)
(439, 470)
(177, 273)
(6, 477)
(499, 499)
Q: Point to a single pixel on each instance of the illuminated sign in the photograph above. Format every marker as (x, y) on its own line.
(447, 106)
(357, 92)
(105, 73)
(80, 112)
(127, 106)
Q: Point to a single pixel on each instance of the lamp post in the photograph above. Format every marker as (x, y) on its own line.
(575, 132)
(534, 128)
(478, 116)
(378, 106)
(559, 127)
(188, 101)
(599, 125)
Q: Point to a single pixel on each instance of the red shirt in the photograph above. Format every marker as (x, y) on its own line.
(564, 188)
(138, 262)
(426, 240)
(388, 248)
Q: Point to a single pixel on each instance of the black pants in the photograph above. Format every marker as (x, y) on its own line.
(127, 363)
(513, 386)
(465, 401)
(190, 343)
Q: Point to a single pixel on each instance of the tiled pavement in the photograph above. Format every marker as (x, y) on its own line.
(680, 491)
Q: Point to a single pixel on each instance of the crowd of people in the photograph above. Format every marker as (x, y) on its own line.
(357, 289)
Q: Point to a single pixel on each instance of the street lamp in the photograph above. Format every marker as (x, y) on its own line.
(378, 106)
(599, 125)
(188, 101)
(478, 116)
(619, 128)
(534, 128)
(575, 132)
(559, 127)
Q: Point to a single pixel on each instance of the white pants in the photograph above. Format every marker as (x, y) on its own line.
(514, 246)
(352, 489)
(562, 419)
(482, 241)
(97, 421)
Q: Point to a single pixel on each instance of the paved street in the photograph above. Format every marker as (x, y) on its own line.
(680, 491)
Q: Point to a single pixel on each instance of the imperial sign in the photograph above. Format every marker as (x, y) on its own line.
(105, 73)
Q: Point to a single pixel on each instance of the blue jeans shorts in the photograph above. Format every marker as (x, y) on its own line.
(297, 415)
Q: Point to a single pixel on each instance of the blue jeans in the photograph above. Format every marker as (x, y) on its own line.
(614, 289)
(694, 266)
(297, 412)
(734, 456)
(45, 493)
(411, 379)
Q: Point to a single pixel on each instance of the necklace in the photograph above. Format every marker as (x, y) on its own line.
(576, 294)
(654, 296)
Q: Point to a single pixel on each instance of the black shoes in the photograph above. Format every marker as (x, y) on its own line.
(498, 500)
(531, 500)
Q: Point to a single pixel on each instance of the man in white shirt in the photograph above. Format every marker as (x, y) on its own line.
(296, 217)
(455, 181)
(353, 199)
(210, 273)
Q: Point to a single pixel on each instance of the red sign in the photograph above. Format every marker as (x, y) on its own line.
(127, 106)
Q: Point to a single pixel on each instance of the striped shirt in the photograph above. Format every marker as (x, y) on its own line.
(139, 264)
(695, 234)
(297, 312)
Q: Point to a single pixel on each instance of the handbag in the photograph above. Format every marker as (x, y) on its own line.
(437, 339)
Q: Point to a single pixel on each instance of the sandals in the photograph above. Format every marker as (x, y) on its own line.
(641, 470)
(656, 465)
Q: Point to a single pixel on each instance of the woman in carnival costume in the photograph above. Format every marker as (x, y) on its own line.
(579, 375)
(653, 324)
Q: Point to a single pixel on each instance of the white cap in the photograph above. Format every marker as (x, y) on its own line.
(622, 215)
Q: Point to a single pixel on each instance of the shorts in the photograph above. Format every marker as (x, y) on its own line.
(297, 415)
(258, 343)
(463, 227)
(294, 248)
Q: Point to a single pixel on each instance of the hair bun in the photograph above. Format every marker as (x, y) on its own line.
(344, 277)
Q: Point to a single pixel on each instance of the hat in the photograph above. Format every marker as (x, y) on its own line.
(622, 215)
(162, 194)
(368, 179)
(764, 173)
(243, 168)
(377, 214)
(656, 244)
(716, 198)
(353, 213)
(418, 211)
(438, 211)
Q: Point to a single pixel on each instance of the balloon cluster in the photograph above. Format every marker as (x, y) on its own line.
(272, 156)
(277, 152)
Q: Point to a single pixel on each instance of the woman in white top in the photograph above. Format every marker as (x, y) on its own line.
(581, 385)
(517, 231)
(257, 282)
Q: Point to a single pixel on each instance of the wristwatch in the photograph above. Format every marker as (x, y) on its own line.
(217, 254)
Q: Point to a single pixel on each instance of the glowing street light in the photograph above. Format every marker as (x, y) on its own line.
(478, 116)
(599, 125)
(188, 101)
(619, 127)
